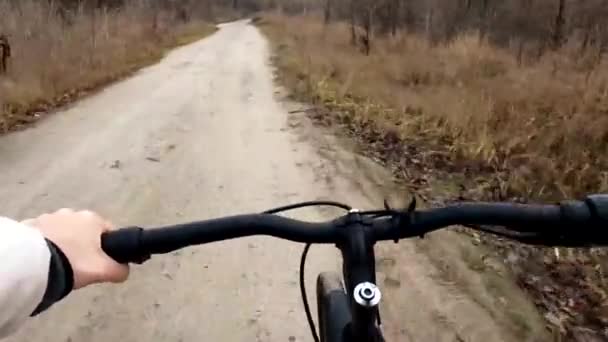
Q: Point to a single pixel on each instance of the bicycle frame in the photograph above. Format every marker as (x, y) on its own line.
(359, 266)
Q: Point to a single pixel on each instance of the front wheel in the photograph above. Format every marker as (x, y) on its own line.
(333, 309)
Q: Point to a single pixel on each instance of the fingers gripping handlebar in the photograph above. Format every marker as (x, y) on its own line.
(125, 245)
(570, 223)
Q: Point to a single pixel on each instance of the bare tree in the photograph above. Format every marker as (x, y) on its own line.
(558, 29)
(5, 53)
(327, 11)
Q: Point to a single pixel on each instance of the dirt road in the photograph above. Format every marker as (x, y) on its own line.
(202, 135)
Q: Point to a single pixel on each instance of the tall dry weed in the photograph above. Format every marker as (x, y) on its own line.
(543, 122)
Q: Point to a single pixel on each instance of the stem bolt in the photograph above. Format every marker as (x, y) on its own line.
(367, 294)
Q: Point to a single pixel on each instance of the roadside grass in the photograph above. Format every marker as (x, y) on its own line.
(541, 126)
(59, 58)
(472, 113)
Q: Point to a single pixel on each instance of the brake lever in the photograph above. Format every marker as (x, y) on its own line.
(402, 214)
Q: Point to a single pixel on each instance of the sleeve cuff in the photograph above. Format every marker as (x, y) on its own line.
(60, 279)
(24, 273)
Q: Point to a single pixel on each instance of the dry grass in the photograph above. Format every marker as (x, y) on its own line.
(532, 129)
(55, 58)
(542, 125)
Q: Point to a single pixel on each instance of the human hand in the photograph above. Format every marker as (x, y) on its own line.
(78, 235)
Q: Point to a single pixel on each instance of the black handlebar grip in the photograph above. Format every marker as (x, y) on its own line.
(125, 245)
(599, 208)
(584, 223)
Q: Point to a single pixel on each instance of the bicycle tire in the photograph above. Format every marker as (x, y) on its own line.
(333, 308)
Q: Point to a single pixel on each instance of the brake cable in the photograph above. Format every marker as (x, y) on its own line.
(311, 322)
(308, 204)
(503, 232)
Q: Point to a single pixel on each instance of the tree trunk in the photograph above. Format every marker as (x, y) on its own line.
(520, 52)
(5, 54)
(367, 40)
(327, 13)
(408, 15)
(395, 11)
(429, 24)
(586, 39)
(483, 19)
(558, 31)
(93, 34)
(353, 32)
(155, 18)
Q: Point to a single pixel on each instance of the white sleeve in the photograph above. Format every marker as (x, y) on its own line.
(24, 268)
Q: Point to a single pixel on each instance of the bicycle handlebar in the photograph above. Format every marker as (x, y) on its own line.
(571, 223)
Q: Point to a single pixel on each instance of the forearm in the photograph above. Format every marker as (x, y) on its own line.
(34, 274)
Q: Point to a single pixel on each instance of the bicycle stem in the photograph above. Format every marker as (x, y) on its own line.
(359, 267)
